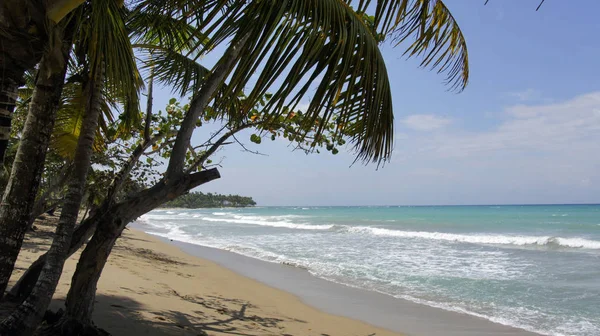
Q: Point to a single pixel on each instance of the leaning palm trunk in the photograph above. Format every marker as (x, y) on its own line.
(80, 299)
(44, 202)
(23, 287)
(22, 187)
(25, 319)
(86, 229)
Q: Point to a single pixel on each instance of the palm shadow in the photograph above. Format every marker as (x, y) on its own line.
(121, 315)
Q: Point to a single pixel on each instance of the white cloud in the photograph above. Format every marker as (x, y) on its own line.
(535, 153)
(425, 122)
(568, 126)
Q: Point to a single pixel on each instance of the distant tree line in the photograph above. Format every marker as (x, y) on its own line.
(195, 200)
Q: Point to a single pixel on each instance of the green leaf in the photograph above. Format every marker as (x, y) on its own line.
(255, 138)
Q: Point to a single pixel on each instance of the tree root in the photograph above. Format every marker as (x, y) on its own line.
(56, 324)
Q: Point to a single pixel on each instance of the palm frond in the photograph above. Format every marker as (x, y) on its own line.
(160, 30)
(326, 51)
(181, 73)
(105, 41)
(67, 128)
(320, 45)
(435, 34)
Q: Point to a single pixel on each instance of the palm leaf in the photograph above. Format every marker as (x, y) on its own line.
(328, 52)
(104, 40)
(67, 128)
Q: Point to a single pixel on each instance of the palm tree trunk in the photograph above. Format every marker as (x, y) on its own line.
(86, 229)
(26, 318)
(22, 42)
(25, 32)
(22, 187)
(8, 98)
(80, 299)
(21, 290)
(42, 203)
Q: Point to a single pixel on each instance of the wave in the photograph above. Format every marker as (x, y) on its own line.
(256, 220)
(483, 239)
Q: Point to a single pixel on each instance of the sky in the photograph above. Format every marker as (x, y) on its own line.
(525, 131)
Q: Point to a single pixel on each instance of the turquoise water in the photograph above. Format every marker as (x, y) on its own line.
(533, 267)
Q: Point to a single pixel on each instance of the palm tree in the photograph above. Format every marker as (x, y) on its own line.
(340, 44)
(324, 45)
(21, 189)
(103, 51)
(49, 22)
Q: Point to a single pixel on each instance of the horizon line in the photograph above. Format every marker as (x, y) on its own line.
(432, 205)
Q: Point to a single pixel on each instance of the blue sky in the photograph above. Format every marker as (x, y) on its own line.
(526, 129)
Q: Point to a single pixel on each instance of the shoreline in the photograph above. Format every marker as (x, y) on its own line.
(152, 288)
(381, 310)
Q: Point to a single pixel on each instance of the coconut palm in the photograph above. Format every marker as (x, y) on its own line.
(103, 52)
(328, 48)
(273, 36)
(323, 46)
(21, 189)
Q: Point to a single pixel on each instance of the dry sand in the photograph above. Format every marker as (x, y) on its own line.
(152, 288)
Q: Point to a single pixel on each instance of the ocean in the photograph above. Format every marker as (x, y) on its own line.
(535, 267)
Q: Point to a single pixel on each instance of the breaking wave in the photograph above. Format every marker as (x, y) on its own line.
(482, 239)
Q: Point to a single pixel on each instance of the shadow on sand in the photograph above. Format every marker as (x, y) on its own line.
(122, 316)
(215, 316)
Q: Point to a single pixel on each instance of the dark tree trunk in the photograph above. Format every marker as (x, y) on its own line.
(43, 202)
(80, 299)
(199, 103)
(26, 318)
(20, 192)
(22, 42)
(84, 231)
(25, 284)
(8, 97)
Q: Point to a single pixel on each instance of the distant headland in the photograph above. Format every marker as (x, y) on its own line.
(196, 200)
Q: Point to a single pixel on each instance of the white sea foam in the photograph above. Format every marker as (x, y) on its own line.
(263, 221)
(221, 213)
(483, 239)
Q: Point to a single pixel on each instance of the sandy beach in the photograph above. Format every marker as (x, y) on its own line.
(152, 288)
